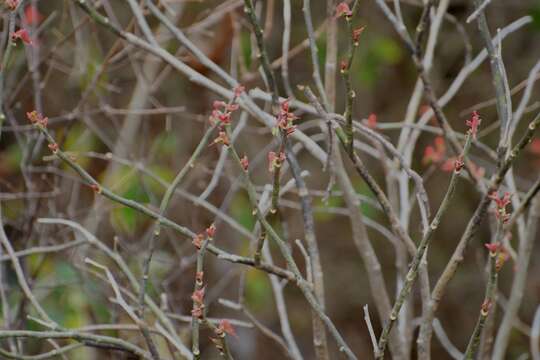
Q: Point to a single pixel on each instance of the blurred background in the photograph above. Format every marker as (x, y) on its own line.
(103, 96)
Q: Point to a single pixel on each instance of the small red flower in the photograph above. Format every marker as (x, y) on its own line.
(211, 231)
(198, 296)
(285, 119)
(343, 9)
(53, 147)
(473, 124)
(222, 139)
(239, 90)
(356, 35)
(501, 204)
(23, 35)
(12, 4)
(486, 306)
(372, 121)
(245, 163)
(199, 277)
(222, 112)
(225, 327)
(493, 247)
(198, 240)
(198, 303)
(343, 66)
(197, 311)
(96, 188)
(33, 116)
(459, 164)
(274, 161)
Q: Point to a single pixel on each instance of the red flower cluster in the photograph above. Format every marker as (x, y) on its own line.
(23, 35)
(225, 327)
(209, 233)
(458, 164)
(95, 188)
(343, 66)
(198, 303)
(486, 306)
(343, 9)
(12, 4)
(473, 124)
(356, 35)
(286, 118)
(199, 278)
(498, 251)
(244, 161)
(197, 241)
(275, 160)
(37, 119)
(222, 113)
(493, 247)
(501, 203)
(53, 147)
(238, 90)
(222, 138)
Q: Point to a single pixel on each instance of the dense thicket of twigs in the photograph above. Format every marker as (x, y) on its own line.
(270, 179)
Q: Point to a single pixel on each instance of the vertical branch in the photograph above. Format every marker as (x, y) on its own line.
(285, 128)
(306, 9)
(422, 247)
(500, 81)
(345, 69)
(198, 308)
(285, 46)
(490, 296)
(520, 276)
(249, 9)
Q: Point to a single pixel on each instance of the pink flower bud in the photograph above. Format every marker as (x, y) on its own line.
(23, 35)
(225, 327)
(343, 9)
(245, 163)
(12, 4)
(211, 231)
(356, 35)
(474, 123)
(53, 147)
(239, 90)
